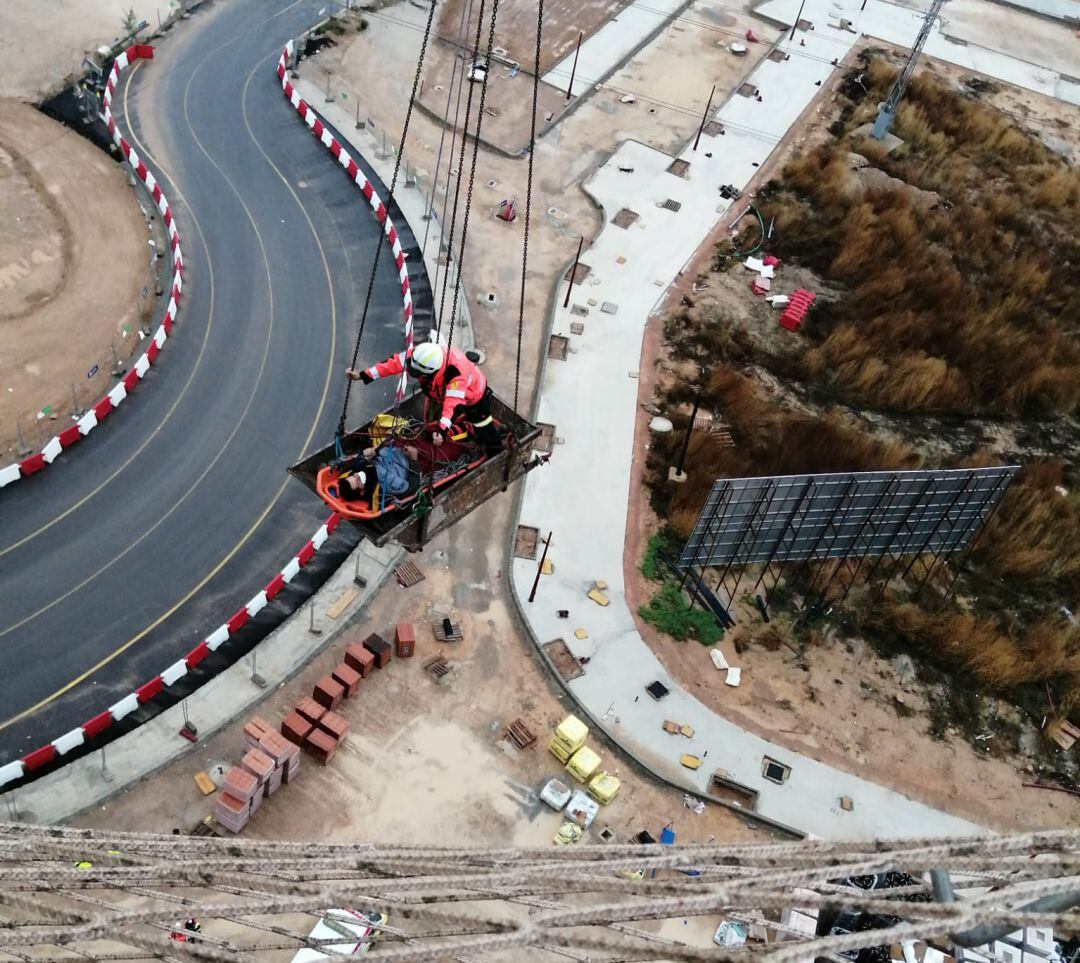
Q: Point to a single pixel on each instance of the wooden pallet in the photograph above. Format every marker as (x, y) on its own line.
(520, 734)
(440, 632)
(408, 574)
(438, 668)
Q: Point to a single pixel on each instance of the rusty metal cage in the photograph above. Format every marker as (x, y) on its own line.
(412, 530)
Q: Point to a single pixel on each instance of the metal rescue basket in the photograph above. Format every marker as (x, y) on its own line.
(436, 506)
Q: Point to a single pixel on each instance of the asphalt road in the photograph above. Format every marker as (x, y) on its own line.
(177, 510)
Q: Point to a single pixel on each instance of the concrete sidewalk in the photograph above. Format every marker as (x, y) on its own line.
(581, 496)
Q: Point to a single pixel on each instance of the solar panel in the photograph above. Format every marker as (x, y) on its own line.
(793, 518)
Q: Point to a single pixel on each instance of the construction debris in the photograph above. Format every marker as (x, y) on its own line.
(520, 734)
(678, 729)
(690, 761)
(438, 668)
(407, 574)
(447, 631)
(555, 794)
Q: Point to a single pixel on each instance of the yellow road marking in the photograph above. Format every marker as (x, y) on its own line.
(311, 431)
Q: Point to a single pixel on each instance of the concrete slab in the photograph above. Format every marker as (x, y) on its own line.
(612, 44)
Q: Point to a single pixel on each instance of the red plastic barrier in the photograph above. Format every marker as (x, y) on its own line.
(305, 554)
(152, 352)
(335, 149)
(69, 436)
(131, 379)
(140, 51)
(196, 655)
(238, 621)
(103, 407)
(40, 757)
(332, 522)
(274, 586)
(147, 692)
(98, 724)
(32, 464)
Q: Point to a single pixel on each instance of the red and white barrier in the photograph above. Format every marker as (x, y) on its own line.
(103, 720)
(58, 444)
(99, 723)
(331, 143)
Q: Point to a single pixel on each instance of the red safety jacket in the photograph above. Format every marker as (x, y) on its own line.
(458, 383)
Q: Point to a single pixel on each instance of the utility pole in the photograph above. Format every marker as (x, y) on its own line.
(705, 116)
(573, 271)
(798, 17)
(888, 109)
(573, 70)
(540, 568)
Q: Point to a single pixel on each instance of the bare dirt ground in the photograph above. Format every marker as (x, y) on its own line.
(848, 707)
(73, 262)
(1038, 40)
(516, 27)
(426, 762)
(41, 43)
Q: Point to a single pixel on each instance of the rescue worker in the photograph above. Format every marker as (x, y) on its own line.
(449, 379)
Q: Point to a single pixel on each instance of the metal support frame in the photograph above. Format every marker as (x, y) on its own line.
(789, 537)
(754, 520)
(722, 498)
(870, 524)
(993, 500)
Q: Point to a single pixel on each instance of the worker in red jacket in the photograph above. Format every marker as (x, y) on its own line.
(449, 379)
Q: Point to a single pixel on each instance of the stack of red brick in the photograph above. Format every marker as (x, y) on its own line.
(314, 724)
(274, 758)
(269, 761)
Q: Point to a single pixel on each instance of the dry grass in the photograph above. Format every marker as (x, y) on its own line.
(970, 306)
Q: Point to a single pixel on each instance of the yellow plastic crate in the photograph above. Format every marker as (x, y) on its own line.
(604, 787)
(572, 733)
(559, 751)
(583, 764)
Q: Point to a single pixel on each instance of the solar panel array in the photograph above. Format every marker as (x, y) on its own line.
(794, 518)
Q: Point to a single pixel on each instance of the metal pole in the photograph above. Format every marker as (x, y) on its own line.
(357, 113)
(357, 577)
(798, 17)
(689, 432)
(255, 677)
(705, 116)
(106, 775)
(117, 370)
(24, 448)
(540, 568)
(328, 97)
(573, 271)
(75, 413)
(312, 627)
(573, 70)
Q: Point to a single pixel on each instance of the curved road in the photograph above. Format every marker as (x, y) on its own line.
(177, 510)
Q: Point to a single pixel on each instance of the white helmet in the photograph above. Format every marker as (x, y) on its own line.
(427, 359)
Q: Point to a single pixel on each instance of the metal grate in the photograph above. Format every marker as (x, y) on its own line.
(670, 205)
(408, 574)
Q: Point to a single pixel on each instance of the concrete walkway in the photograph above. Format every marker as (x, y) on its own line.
(591, 399)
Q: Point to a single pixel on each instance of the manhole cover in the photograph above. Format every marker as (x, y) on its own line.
(625, 218)
(679, 168)
(557, 346)
(747, 90)
(713, 129)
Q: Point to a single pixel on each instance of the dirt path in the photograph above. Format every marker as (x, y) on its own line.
(74, 260)
(41, 43)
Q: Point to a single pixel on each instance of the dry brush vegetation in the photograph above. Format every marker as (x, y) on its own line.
(957, 294)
